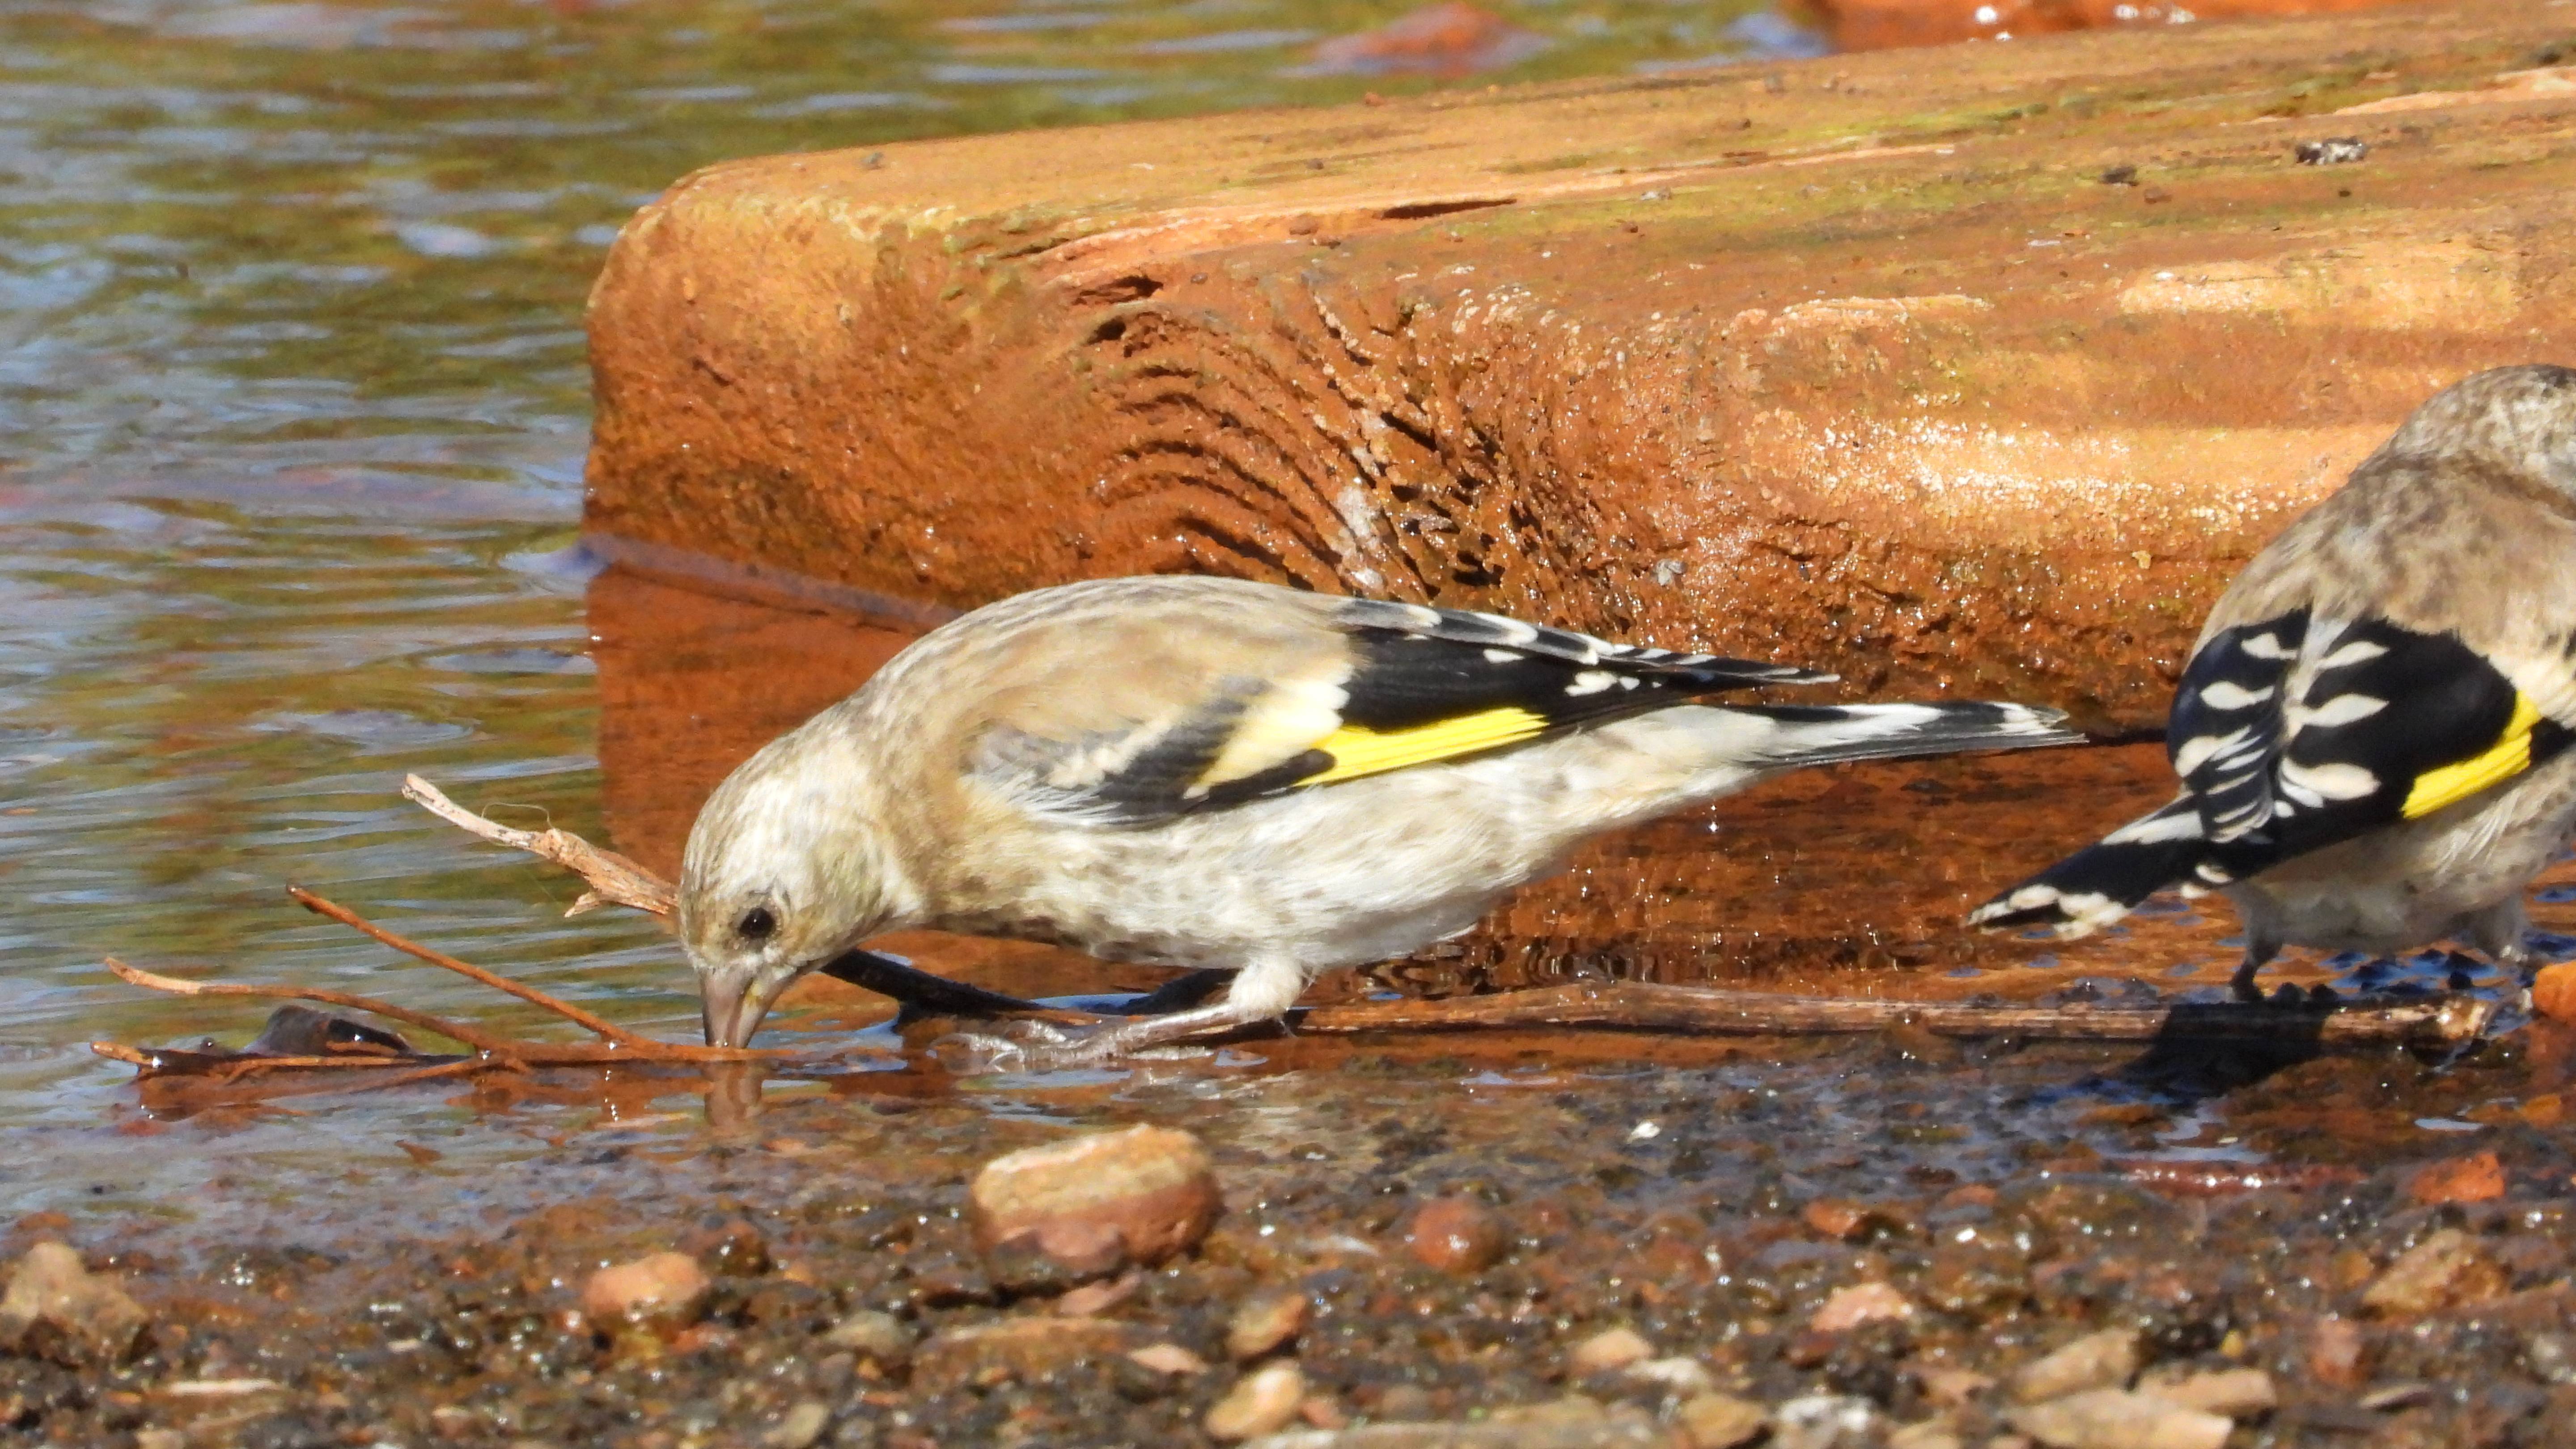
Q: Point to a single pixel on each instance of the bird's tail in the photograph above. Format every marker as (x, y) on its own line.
(2104, 881)
(1831, 734)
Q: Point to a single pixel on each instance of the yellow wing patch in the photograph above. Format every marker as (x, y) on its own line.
(2508, 757)
(1358, 751)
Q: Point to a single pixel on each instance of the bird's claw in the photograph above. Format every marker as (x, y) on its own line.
(1046, 1046)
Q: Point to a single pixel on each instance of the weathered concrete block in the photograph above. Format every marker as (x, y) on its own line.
(1861, 363)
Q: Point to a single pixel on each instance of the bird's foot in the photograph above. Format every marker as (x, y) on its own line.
(1049, 1046)
(1045, 1046)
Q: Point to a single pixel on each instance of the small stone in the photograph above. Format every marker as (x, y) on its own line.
(1851, 1222)
(160, 1439)
(1404, 1404)
(2338, 1354)
(800, 1426)
(1951, 1387)
(1095, 1298)
(1014, 1349)
(1456, 1235)
(2237, 1393)
(1169, 1358)
(2119, 1419)
(1260, 1402)
(1608, 1352)
(2446, 1270)
(2333, 151)
(2478, 1177)
(2553, 991)
(56, 1308)
(2396, 1396)
(2105, 1360)
(1720, 1421)
(1679, 1376)
(1848, 1308)
(880, 1337)
(1264, 1322)
(1930, 1434)
(1823, 1421)
(1097, 1203)
(663, 1291)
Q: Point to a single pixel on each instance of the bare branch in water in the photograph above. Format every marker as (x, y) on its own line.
(603, 1029)
(626, 1048)
(1657, 1006)
(614, 879)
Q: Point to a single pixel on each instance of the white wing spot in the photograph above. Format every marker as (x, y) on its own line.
(2164, 825)
(1627, 681)
(2343, 709)
(1511, 629)
(2359, 651)
(2333, 782)
(1503, 656)
(2264, 646)
(1591, 681)
(2224, 695)
(2195, 752)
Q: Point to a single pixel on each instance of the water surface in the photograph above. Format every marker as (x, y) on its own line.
(292, 410)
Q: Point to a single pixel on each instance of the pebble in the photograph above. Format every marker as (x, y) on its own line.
(56, 1308)
(2237, 1393)
(662, 1291)
(1949, 1386)
(2553, 991)
(1823, 1421)
(2120, 1419)
(1720, 1421)
(2105, 1360)
(1680, 1376)
(1097, 1203)
(1929, 1434)
(1850, 1222)
(1456, 1235)
(1608, 1352)
(800, 1427)
(1263, 1400)
(2446, 1270)
(1264, 1322)
(1013, 1349)
(1850, 1307)
(1168, 1358)
(2478, 1177)
(2338, 1354)
(870, 1334)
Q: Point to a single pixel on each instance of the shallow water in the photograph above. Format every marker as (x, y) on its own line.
(292, 410)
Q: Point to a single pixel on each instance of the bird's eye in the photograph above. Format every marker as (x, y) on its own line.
(757, 924)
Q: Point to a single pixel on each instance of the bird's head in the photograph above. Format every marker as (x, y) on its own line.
(2522, 419)
(786, 869)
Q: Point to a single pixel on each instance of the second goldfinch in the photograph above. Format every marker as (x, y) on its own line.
(1206, 772)
(2372, 732)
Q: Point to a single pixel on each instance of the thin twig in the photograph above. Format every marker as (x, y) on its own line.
(2450, 1021)
(612, 877)
(452, 1030)
(531, 1053)
(597, 1026)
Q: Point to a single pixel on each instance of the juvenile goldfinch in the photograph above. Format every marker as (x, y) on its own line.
(1206, 772)
(2372, 732)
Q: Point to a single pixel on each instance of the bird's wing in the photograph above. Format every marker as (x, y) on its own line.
(1205, 709)
(2294, 733)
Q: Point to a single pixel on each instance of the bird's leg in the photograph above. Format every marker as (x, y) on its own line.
(1261, 992)
(2258, 953)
